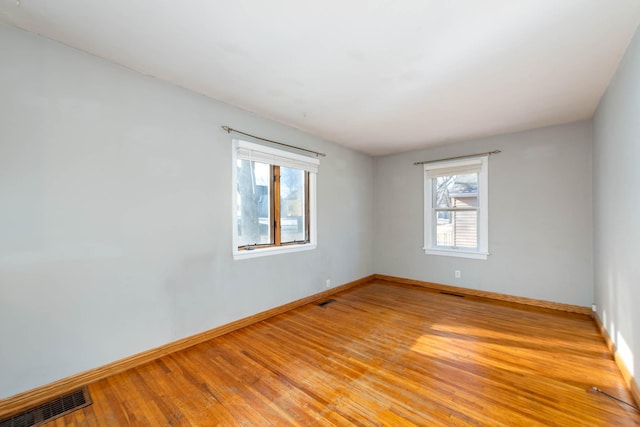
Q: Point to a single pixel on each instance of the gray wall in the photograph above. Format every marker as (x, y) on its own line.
(540, 222)
(617, 208)
(115, 215)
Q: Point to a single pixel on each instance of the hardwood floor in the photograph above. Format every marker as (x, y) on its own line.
(381, 354)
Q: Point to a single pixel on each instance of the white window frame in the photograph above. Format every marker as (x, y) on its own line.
(430, 247)
(274, 156)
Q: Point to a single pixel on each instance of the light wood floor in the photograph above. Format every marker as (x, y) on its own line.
(382, 354)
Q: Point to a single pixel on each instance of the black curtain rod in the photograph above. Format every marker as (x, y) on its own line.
(229, 130)
(488, 153)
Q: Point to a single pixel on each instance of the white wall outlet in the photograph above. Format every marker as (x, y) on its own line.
(593, 307)
(328, 283)
(457, 274)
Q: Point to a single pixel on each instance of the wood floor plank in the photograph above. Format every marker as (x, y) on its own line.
(381, 354)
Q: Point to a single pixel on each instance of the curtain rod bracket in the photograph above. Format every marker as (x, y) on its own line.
(229, 130)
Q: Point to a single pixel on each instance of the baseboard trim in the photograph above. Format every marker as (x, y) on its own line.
(628, 378)
(29, 398)
(485, 294)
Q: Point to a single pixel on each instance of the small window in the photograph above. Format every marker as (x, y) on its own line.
(273, 199)
(455, 209)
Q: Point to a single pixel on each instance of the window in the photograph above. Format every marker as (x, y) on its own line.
(273, 201)
(455, 208)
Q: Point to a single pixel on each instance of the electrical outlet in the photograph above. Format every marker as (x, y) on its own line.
(593, 307)
(328, 283)
(457, 274)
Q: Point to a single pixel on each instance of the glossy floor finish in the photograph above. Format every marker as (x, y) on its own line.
(381, 354)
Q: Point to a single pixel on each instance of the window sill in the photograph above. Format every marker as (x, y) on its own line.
(255, 253)
(456, 253)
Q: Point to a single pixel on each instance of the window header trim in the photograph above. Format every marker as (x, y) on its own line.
(273, 156)
(434, 170)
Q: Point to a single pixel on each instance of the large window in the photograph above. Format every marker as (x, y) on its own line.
(273, 199)
(456, 197)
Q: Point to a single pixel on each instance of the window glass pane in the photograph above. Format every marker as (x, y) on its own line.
(456, 191)
(292, 205)
(254, 210)
(457, 229)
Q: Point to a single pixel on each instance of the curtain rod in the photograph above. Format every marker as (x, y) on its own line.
(488, 153)
(229, 130)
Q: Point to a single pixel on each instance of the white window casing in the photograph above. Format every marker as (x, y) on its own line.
(477, 165)
(243, 150)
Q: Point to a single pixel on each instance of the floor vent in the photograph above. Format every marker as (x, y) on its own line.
(49, 410)
(452, 294)
(322, 304)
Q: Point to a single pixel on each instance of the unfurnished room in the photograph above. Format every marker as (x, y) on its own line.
(372, 213)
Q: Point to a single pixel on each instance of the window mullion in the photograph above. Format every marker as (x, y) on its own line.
(276, 206)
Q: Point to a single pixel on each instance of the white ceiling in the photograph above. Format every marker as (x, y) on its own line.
(379, 76)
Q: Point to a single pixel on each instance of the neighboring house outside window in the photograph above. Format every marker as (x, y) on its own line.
(456, 208)
(274, 201)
